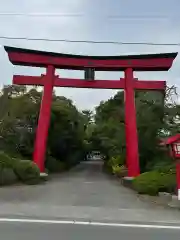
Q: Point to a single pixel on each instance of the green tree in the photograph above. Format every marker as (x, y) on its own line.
(19, 121)
(157, 116)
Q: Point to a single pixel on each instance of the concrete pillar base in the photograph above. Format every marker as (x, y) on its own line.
(43, 174)
(175, 202)
(127, 182)
(128, 178)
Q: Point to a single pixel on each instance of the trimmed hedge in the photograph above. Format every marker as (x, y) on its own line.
(171, 168)
(155, 181)
(116, 160)
(113, 164)
(27, 172)
(5, 160)
(116, 169)
(13, 169)
(54, 166)
(7, 176)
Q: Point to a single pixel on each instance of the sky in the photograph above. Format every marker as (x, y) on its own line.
(98, 20)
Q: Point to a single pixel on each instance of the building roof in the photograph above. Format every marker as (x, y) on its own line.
(170, 140)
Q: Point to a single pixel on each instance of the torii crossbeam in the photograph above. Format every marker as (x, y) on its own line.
(128, 64)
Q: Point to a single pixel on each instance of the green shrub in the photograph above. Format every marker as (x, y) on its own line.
(116, 160)
(7, 176)
(153, 182)
(74, 159)
(5, 160)
(107, 167)
(116, 169)
(113, 164)
(54, 166)
(27, 172)
(171, 168)
(120, 171)
(169, 182)
(148, 183)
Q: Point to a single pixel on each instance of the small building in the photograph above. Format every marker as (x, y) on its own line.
(172, 144)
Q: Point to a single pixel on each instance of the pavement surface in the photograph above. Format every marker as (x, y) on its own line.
(85, 194)
(22, 231)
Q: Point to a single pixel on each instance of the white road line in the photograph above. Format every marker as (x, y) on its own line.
(44, 221)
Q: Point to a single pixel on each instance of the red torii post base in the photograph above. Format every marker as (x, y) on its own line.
(128, 64)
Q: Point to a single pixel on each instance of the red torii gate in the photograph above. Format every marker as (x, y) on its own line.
(128, 64)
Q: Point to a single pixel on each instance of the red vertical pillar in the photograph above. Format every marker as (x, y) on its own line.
(178, 177)
(44, 119)
(132, 152)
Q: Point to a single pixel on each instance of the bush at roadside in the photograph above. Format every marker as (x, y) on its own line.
(27, 172)
(113, 164)
(155, 181)
(54, 166)
(5, 160)
(120, 171)
(116, 160)
(171, 168)
(7, 175)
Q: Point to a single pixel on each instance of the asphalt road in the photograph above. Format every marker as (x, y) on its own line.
(86, 194)
(29, 231)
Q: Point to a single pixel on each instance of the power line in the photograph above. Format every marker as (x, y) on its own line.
(84, 15)
(41, 14)
(90, 41)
